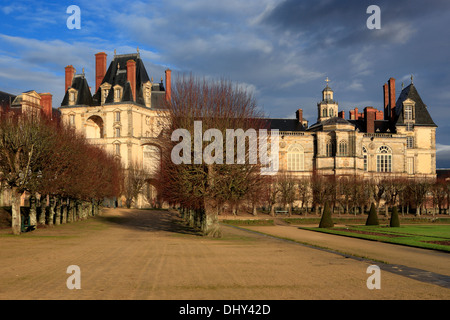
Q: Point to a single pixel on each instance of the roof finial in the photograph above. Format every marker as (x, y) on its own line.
(137, 49)
(326, 80)
(411, 79)
(402, 85)
(82, 71)
(114, 52)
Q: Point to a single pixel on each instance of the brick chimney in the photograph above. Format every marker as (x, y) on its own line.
(369, 119)
(387, 112)
(46, 103)
(100, 68)
(391, 84)
(70, 72)
(299, 115)
(168, 85)
(341, 114)
(131, 76)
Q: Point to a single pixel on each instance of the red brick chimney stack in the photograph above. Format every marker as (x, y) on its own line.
(391, 84)
(46, 103)
(369, 118)
(387, 112)
(100, 68)
(70, 72)
(299, 115)
(168, 85)
(131, 76)
(341, 114)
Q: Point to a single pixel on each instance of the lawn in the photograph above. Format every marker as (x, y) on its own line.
(435, 237)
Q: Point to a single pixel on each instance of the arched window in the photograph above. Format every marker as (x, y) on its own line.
(384, 159)
(295, 158)
(343, 150)
(324, 112)
(331, 113)
(364, 150)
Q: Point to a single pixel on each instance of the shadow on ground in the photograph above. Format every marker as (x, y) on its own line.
(149, 220)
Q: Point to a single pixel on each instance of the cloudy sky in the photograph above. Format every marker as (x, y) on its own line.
(281, 50)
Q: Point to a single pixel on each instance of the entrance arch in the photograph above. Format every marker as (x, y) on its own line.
(95, 127)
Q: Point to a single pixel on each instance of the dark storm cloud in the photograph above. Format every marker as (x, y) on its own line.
(326, 23)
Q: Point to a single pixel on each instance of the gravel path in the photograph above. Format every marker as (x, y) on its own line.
(140, 254)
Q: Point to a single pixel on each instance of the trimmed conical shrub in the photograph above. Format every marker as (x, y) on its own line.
(372, 219)
(395, 220)
(326, 221)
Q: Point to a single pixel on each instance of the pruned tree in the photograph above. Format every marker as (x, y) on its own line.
(203, 186)
(136, 176)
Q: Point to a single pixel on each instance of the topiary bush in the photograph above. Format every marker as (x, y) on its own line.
(326, 221)
(395, 220)
(372, 219)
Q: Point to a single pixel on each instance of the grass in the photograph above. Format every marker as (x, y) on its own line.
(421, 236)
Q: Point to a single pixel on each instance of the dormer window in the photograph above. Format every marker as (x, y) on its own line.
(105, 91)
(117, 93)
(408, 112)
(73, 93)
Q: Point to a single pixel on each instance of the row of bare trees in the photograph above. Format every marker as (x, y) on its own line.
(55, 165)
(354, 194)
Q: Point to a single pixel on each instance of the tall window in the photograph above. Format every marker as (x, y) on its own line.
(329, 149)
(365, 158)
(331, 113)
(408, 112)
(117, 149)
(410, 165)
(343, 151)
(295, 158)
(117, 116)
(72, 119)
(324, 112)
(117, 132)
(384, 159)
(410, 142)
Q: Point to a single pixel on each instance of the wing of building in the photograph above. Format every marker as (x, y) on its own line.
(397, 141)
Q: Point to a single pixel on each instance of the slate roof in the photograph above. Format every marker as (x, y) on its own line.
(6, 99)
(285, 124)
(422, 116)
(117, 75)
(331, 121)
(84, 97)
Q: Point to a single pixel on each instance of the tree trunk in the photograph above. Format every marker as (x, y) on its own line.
(16, 223)
(272, 210)
(64, 212)
(33, 211)
(210, 223)
(43, 210)
(57, 211)
(51, 213)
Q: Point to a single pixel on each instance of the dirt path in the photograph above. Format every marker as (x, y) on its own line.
(139, 254)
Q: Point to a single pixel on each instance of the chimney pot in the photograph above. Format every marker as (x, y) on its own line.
(131, 76)
(100, 68)
(70, 72)
(168, 85)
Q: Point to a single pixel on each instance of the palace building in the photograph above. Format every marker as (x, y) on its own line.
(125, 115)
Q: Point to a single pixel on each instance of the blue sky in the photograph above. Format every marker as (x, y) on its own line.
(281, 50)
